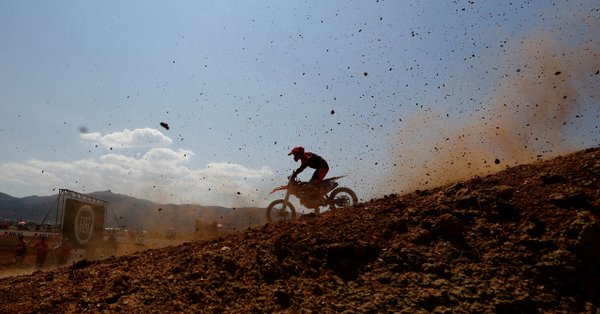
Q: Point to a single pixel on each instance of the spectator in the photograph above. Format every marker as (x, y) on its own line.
(20, 250)
(41, 253)
(64, 252)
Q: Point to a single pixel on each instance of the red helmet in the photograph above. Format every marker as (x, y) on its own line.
(297, 152)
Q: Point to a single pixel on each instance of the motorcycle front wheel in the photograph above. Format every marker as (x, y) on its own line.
(280, 210)
(342, 198)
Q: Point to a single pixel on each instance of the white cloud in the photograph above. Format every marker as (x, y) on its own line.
(235, 170)
(144, 138)
(160, 175)
(91, 136)
(168, 155)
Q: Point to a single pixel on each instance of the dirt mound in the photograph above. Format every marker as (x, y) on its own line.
(525, 240)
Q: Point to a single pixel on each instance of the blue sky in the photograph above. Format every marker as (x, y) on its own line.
(392, 93)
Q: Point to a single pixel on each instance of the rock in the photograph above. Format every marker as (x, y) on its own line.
(81, 264)
(552, 178)
(536, 228)
(538, 244)
(557, 268)
(270, 273)
(571, 200)
(506, 211)
(468, 201)
(280, 247)
(449, 226)
(503, 191)
(346, 259)
(230, 266)
(588, 244)
(422, 236)
(453, 189)
(397, 226)
(384, 278)
(282, 298)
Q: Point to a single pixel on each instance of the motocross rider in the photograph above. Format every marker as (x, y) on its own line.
(312, 160)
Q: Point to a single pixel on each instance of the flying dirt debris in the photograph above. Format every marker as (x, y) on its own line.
(523, 240)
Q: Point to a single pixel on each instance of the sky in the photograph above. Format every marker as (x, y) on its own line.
(397, 95)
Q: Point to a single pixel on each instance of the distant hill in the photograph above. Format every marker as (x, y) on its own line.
(5, 198)
(134, 213)
(30, 208)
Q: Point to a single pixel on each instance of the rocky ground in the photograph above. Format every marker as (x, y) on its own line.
(525, 240)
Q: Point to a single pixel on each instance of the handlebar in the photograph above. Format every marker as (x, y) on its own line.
(293, 176)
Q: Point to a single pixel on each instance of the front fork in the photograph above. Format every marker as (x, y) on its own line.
(286, 200)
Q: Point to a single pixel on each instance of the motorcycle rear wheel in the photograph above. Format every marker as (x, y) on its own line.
(342, 197)
(280, 210)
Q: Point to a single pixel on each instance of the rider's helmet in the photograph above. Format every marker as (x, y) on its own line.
(297, 152)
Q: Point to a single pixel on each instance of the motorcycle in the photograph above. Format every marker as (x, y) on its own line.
(326, 193)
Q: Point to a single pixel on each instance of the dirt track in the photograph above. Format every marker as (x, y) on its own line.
(526, 240)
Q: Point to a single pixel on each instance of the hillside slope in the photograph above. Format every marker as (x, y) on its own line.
(525, 240)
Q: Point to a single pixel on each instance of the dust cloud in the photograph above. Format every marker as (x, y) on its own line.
(542, 95)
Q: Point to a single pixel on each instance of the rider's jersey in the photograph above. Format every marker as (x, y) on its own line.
(312, 160)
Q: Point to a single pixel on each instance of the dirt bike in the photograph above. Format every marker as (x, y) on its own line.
(326, 193)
